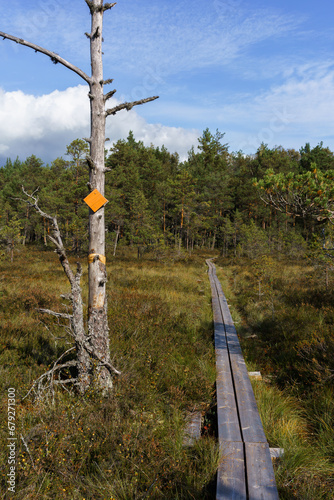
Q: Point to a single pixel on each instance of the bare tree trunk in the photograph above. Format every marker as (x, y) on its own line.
(98, 330)
(116, 239)
(44, 234)
(213, 241)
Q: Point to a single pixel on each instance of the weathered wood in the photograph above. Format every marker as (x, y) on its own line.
(192, 431)
(246, 470)
(260, 474)
(231, 479)
(276, 453)
(251, 425)
(228, 422)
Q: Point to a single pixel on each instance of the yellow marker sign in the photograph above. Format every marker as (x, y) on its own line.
(93, 256)
(95, 200)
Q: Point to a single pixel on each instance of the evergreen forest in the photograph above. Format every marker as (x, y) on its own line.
(277, 200)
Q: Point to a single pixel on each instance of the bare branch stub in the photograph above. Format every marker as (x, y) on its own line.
(108, 6)
(129, 105)
(100, 8)
(106, 82)
(90, 162)
(110, 94)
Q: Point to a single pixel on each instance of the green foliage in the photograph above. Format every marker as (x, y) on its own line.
(10, 235)
(203, 202)
(306, 195)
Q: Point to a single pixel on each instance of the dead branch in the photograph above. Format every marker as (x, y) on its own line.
(56, 239)
(109, 94)
(57, 314)
(106, 82)
(129, 105)
(101, 361)
(90, 162)
(67, 329)
(90, 5)
(100, 8)
(108, 6)
(49, 375)
(55, 58)
(27, 448)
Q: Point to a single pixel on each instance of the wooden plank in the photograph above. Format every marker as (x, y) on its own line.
(227, 414)
(260, 473)
(192, 431)
(231, 478)
(250, 421)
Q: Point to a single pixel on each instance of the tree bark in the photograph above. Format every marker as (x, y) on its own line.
(98, 330)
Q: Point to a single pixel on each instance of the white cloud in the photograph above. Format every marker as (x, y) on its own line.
(44, 125)
(299, 110)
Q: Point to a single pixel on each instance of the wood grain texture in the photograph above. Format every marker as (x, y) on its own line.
(260, 474)
(231, 478)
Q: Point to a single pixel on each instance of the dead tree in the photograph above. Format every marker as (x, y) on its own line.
(96, 338)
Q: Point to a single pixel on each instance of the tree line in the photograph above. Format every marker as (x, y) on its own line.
(276, 198)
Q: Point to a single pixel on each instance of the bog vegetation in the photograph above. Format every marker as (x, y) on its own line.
(268, 220)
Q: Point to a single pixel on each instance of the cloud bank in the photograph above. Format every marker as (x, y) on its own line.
(300, 109)
(45, 125)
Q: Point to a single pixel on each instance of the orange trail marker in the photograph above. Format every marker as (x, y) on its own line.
(95, 200)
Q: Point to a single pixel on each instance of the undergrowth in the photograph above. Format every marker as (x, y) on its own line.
(130, 445)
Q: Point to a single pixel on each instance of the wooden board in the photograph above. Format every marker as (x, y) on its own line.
(192, 431)
(260, 474)
(228, 421)
(246, 471)
(250, 421)
(231, 478)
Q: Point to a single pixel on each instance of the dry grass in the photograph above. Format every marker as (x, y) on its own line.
(128, 445)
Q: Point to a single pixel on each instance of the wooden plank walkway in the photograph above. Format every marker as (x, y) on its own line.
(246, 471)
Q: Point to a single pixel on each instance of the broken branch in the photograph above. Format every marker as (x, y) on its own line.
(109, 94)
(129, 105)
(57, 314)
(108, 6)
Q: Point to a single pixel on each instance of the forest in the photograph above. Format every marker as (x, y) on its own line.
(214, 199)
(267, 220)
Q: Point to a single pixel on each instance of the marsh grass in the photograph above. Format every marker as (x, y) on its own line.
(286, 332)
(128, 446)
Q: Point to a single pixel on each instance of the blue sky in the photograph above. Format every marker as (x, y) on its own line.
(260, 71)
